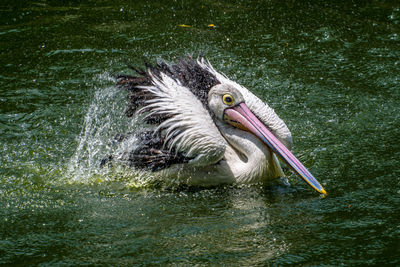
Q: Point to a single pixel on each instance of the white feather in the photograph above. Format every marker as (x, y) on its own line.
(191, 129)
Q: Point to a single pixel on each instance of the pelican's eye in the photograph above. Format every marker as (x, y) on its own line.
(228, 100)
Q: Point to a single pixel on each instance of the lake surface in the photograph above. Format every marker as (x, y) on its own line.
(330, 69)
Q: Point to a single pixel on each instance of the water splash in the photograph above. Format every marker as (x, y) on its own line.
(104, 120)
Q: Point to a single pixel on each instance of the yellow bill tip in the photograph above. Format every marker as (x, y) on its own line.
(324, 192)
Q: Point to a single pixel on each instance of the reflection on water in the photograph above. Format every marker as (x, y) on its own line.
(330, 70)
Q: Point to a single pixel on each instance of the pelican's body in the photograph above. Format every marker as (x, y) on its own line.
(257, 164)
(206, 129)
(227, 154)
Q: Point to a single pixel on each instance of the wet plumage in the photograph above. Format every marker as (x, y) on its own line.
(196, 129)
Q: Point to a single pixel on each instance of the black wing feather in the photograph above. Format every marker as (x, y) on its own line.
(150, 153)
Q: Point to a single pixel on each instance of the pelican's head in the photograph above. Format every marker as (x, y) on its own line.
(221, 97)
(228, 105)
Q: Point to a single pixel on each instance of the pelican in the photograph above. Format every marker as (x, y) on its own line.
(205, 128)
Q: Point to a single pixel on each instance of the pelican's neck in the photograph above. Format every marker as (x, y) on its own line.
(248, 158)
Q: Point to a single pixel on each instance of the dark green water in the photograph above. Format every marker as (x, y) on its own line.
(330, 69)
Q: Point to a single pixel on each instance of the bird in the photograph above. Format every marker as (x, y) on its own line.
(205, 129)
